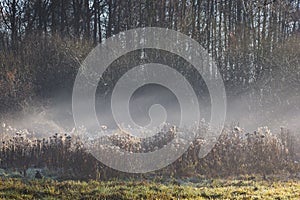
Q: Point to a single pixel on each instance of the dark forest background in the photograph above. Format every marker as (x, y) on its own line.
(255, 43)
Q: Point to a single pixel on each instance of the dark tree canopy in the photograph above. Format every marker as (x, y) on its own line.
(243, 37)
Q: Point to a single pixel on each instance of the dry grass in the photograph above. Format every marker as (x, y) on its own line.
(235, 153)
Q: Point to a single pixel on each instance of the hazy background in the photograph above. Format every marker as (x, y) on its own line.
(255, 44)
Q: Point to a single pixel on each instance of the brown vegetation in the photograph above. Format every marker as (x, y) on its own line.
(235, 153)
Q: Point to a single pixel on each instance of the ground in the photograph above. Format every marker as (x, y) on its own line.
(174, 189)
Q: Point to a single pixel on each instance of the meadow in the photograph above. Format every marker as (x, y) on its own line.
(260, 165)
(130, 189)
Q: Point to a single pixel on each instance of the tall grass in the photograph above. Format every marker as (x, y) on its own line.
(235, 153)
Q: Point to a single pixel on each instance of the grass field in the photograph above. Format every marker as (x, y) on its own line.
(205, 189)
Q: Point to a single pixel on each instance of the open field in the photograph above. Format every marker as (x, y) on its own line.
(204, 189)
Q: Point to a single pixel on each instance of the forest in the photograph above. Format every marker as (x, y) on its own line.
(255, 44)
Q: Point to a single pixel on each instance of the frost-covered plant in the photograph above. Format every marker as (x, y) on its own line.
(236, 152)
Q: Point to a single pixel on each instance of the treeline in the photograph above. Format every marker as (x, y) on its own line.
(213, 23)
(254, 43)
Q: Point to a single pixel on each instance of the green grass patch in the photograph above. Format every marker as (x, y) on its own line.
(214, 189)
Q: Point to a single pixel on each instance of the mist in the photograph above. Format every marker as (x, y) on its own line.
(53, 115)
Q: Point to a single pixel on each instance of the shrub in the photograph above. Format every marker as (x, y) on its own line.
(38, 68)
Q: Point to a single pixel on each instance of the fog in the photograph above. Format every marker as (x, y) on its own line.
(55, 115)
(263, 105)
